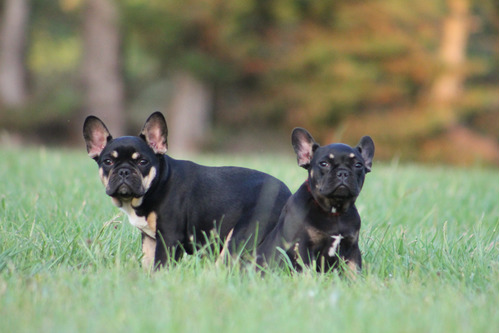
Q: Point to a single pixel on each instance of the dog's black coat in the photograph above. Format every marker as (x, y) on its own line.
(320, 222)
(178, 204)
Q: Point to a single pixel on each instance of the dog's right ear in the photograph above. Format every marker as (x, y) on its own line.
(96, 136)
(155, 133)
(304, 146)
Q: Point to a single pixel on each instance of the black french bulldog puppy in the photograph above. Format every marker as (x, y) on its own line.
(320, 223)
(178, 204)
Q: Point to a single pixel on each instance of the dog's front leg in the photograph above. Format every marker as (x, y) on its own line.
(148, 251)
(166, 252)
(353, 262)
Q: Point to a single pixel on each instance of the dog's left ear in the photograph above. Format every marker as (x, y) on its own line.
(96, 136)
(155, 133)
(304, 145)
(367, 149)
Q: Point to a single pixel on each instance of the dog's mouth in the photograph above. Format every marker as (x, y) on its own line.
(341, 191)
(124, 191)
(338, 200)
(333, 199)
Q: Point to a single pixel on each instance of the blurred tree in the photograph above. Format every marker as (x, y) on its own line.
(460, 88)
(187, 51)
(312, 62)
(13, 33)
(380, 67)
(446, 92)
(189, 113)
(448, 85)
(101, 65)
(356, 57)
(421, 77)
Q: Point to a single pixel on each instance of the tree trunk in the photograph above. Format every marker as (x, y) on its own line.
(101, 67)
(447, 87)
(13, 28)
(447, 91)
(189, 114)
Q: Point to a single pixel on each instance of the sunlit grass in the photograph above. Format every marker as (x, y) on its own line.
(69, 261)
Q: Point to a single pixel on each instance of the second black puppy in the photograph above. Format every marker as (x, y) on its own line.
(178, 204)
(320, 222)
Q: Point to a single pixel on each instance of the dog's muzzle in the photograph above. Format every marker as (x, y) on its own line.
(125, 183)
(342, 191)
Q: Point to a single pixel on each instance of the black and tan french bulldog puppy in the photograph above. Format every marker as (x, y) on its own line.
(178, 204)
(320, 223)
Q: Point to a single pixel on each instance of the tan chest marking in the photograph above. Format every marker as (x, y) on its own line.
(315, 235)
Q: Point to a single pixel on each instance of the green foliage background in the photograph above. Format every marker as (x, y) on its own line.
(341, 69)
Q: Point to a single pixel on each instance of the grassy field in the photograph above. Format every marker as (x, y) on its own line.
(69, 261)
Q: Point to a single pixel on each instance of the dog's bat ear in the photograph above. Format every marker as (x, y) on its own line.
(155, 133)
(304, 146)
(96, 136)
(367, 149)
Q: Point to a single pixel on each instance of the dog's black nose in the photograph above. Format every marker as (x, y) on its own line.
(343, 175)
(124, 173)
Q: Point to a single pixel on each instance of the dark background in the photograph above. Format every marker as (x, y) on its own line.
(420, 77)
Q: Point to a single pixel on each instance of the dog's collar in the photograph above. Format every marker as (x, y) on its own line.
(331, 213)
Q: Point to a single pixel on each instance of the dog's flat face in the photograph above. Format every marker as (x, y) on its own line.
(128, 165)
(336, 175)
(336, 172)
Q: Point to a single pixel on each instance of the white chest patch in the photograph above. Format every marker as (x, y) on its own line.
(336, 242)
(140, 222)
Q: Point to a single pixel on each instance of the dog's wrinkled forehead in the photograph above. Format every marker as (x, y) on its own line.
(128, 147)
(336, 151)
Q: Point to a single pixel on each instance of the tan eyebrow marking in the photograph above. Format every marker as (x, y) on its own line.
(331, 156)
(114, 153)
(135, 155)
(351, 155)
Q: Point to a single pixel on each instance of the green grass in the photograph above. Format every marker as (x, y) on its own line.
(69, 261)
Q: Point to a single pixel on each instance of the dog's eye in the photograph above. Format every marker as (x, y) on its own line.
(143, 162)
(324, 164)
(359, 165)
(108, 162)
